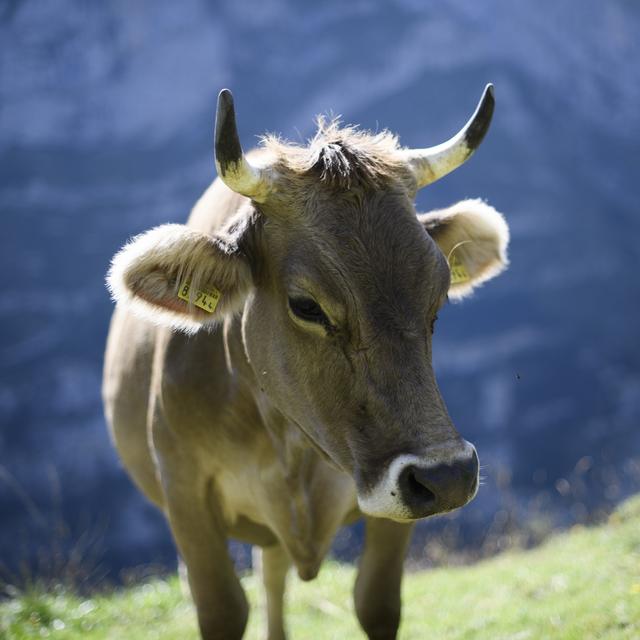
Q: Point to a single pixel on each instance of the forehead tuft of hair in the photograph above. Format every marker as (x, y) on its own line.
(343, 156)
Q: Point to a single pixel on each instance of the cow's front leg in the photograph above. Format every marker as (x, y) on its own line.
(272, 564)
(197, 528)
(196, 519)
(377, 588)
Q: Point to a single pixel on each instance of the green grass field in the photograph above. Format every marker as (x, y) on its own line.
(581, 584)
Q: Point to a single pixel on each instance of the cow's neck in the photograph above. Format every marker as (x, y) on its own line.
(310, 483)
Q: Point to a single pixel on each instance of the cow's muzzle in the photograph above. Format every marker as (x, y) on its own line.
(415, 487)
(440, 487)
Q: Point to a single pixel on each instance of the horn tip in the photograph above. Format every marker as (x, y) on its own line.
(489, 96)
(225, 94)
(481, 119)
(227, 143)
(225, 101)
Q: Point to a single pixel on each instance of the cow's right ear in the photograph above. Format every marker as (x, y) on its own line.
(178, 277)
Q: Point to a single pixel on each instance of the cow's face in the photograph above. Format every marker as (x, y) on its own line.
(339, 332)
(339, 284)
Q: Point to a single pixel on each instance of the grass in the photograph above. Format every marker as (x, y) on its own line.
(581, 584)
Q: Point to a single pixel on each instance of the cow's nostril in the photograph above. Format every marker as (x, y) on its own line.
(414, 490)
(418, 489)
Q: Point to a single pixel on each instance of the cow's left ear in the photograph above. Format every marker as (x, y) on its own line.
(473, 238)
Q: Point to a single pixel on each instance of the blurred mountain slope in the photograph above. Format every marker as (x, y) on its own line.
(106, 116)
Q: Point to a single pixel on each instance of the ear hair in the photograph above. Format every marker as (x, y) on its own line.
(148, 272)
(472, 234)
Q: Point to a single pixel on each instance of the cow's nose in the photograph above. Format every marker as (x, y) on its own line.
(439, 487)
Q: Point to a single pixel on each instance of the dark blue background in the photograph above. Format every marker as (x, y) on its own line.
(106, 117)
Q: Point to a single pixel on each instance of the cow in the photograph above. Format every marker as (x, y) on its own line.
(268, 372)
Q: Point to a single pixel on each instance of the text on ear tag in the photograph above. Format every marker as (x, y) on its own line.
(459, 273)
(205, 299)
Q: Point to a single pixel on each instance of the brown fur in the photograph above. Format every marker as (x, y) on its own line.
(267, 427)
(344, 157)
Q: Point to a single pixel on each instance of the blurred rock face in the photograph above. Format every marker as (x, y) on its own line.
(106, 119)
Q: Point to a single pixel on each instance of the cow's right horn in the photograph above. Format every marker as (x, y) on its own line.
(233, 168)
(431, 164)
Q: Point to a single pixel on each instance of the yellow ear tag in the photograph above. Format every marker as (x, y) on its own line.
(459, 273)
(205, 299)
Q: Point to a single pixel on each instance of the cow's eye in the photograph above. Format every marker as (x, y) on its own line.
(308, 309)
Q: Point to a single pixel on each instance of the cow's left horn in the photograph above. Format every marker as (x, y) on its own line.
(233, 168)
(432, 163)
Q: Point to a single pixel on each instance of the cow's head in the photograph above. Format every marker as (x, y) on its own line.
(339, 282)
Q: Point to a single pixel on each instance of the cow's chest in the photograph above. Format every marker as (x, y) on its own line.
(301, 502)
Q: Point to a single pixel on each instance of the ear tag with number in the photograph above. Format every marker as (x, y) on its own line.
(459, 273)
(205, 299)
